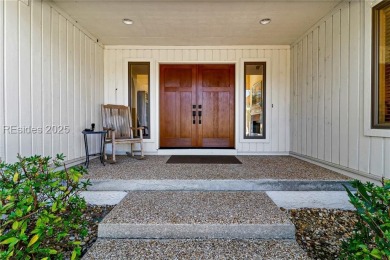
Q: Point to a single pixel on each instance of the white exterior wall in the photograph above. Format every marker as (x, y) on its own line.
(278, 86)
(51, 73)
(330, 94)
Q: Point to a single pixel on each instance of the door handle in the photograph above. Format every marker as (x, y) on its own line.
(200, 117)
(193, 117)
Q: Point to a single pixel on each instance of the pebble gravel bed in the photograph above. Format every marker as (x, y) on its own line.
(320, 232)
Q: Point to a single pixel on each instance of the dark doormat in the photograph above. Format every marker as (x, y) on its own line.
(204, 159)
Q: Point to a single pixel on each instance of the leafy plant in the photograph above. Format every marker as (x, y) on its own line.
(40, 209)
(371, 237)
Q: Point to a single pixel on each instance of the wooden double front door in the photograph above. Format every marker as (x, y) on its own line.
(197, 106)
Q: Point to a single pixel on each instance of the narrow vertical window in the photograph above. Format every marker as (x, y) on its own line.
(255, 87)
(139, 89)
(381, 66)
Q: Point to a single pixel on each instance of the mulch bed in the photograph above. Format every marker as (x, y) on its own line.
(320, 232)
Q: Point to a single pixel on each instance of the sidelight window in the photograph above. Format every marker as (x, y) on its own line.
(139, 89)
(255, 87)
(381, 66)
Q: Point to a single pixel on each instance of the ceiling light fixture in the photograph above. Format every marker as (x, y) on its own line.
(265, 21)
(127, 21)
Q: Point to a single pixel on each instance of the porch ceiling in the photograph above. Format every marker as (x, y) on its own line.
(196, 22)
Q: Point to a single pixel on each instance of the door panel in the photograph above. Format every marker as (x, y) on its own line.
(215, 92)
(207, 90)
(177, 94)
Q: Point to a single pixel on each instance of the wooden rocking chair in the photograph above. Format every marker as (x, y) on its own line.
(117, 121)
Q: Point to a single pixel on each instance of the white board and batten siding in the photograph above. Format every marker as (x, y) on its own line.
(327, 81)
(51, 76)
(278, 86)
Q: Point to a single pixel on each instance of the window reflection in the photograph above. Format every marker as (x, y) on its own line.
(139, 77)
(254, 100)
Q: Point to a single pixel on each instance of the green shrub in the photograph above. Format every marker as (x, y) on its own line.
(40, 209)
(371, 237)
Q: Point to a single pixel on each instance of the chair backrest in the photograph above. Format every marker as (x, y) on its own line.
(119, 118)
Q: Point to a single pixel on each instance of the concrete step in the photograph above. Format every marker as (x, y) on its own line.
(121, 249)
(182, 215)
(218, 185)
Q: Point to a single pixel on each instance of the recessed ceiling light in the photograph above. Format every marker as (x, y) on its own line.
(127, 21)
(265, 21)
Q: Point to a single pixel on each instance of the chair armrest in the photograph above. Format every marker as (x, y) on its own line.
(138, 128)
(108, 128)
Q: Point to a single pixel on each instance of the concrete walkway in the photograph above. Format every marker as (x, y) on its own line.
(162, 249)
(197, 211)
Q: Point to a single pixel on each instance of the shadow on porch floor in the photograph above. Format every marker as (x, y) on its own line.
(252, 167)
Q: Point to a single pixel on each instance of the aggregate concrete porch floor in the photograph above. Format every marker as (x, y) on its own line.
(121, 249)
(252, 167)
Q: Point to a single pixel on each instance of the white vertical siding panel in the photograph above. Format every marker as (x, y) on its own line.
(55, 82)
(270, 83)
(141, 54)
(314, 132)
(171, 55)
(186, 55)
(24, 43)
(64, 113)
(303, 92)
(294, 93)
(112, 97)
(328, 89)
(239, 54)
(364, 142)
(36, 75)
(193, 55)
(377, 156)
(11, 77)
(282, 102)
(252, 147)
(216, 55)
(288, 101)
(178, 55)
(147, 53)
(299, 96)
(246, 53)
(353, 112)
(336, 90)
(83, 75)
(77, 97)
(344, 83)
(155, 53)
(87, 100)
(208, 55)
(321, 92)
(46, 78)
(309, 94)
(70, 89)
(164, 55)
(93, 93)
(387, 160)
(231, 55)
(224, 55)
(2, 105)
(201, 55)
(276, 88)
(107, 58)
(118, 76)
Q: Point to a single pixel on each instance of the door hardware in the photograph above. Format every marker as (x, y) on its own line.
(200, 117)
(193, 117)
